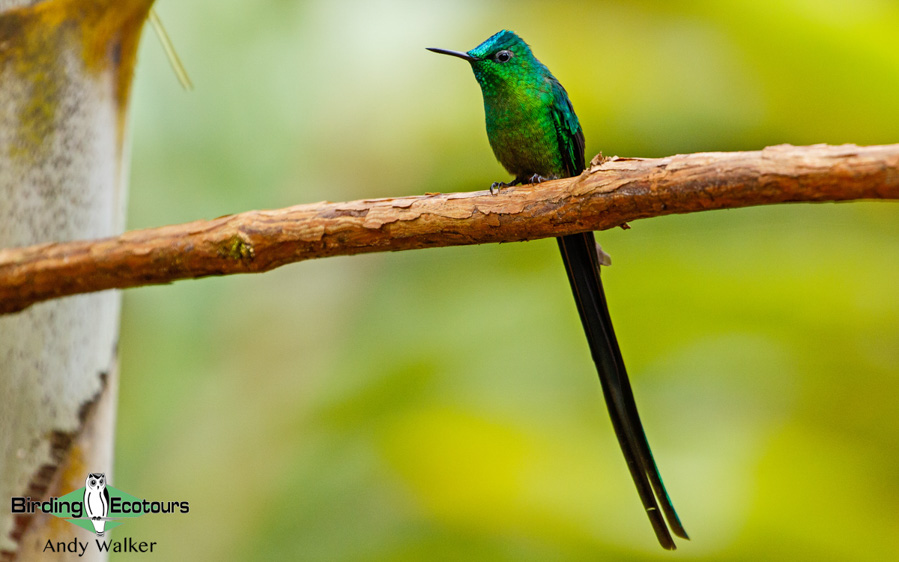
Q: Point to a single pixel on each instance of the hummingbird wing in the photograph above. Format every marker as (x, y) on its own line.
(582, 265)
(568, 130)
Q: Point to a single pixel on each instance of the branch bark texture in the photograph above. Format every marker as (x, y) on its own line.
(608, 194)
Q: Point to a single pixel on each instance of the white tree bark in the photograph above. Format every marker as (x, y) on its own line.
(65, 73)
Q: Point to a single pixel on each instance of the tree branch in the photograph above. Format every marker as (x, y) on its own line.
(608, 194)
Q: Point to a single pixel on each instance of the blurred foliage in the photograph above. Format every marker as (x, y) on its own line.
(441, 404)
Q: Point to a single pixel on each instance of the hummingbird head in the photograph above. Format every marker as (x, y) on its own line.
(502, 60)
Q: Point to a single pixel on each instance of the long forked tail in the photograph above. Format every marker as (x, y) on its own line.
(582, 265)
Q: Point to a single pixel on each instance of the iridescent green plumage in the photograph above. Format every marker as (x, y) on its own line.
(535, 135)
(531, 124)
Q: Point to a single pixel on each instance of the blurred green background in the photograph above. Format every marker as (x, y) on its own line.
(441, 404)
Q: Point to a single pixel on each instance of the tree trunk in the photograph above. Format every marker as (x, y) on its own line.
(65, 77)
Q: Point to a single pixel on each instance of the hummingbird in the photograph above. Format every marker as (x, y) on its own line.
(536, 136)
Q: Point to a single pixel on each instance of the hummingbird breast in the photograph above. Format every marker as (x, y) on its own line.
(522, 131)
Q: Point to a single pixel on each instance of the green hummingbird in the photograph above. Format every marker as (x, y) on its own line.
(536, 136)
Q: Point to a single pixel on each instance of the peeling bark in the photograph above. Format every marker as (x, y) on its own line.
(610, 193)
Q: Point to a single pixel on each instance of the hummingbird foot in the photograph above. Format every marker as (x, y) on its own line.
(497, 185)
(537, 178)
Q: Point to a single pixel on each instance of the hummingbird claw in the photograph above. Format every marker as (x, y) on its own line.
(497, 185)
(537, 178)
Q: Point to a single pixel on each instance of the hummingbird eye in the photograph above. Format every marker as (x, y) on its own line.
(503, 56)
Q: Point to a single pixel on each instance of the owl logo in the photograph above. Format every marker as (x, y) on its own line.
(96, 500)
